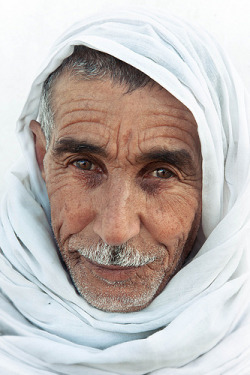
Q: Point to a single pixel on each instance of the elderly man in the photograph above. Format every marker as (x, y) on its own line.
(125, 234)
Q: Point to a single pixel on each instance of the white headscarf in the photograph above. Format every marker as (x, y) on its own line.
(200, 323)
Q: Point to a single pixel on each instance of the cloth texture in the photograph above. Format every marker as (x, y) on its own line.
(200, 323)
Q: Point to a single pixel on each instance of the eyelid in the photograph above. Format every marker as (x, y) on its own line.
(152, 167)
(171, 173)
(96, 162)
(83, 160)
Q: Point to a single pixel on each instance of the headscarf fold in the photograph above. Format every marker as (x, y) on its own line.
(200, 323)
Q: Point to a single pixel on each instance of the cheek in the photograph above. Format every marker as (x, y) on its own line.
(71, 207)
(172, 215)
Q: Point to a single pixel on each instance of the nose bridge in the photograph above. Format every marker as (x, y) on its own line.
(117, 218)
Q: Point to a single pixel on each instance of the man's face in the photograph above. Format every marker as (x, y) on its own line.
(123, 174)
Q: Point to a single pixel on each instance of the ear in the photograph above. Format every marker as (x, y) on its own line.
(40, 144)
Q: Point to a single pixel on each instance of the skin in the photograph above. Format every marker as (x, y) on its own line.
(139, 185)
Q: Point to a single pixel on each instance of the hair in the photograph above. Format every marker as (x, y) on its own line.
(87, 64)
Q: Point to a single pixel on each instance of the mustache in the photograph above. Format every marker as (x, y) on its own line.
(123, 255)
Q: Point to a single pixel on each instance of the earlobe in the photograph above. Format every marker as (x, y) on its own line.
(40, 143)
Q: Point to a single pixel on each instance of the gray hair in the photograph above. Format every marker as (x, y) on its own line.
(88, 64)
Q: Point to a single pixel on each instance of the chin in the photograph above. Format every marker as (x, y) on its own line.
(120, 304)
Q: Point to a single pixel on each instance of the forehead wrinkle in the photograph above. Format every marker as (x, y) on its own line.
(117, 139)
(85, 111)
(84, 96)
(127, 143)
(176, 113)
(81, 100)
(80, 116)
(166, 129)
(167, 132)
(171, 143)
(80, 122)
(166, 119)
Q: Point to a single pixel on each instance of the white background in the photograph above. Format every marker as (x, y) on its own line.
(29, 27)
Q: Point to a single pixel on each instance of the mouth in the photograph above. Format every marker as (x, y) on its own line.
(110, 273)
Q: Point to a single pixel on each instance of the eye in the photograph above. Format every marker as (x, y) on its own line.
(162, 173)
(84, 165)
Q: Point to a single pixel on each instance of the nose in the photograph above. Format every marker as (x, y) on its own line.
(117, 219)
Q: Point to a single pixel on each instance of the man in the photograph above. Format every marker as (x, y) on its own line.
(129, 213)
(125, 240)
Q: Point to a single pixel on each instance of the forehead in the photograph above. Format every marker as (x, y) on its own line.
(73, 87)
(104, 111)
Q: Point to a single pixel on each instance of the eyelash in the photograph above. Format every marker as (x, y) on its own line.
(83, 160)
(166, 170)
(145, 171)
(98, 167)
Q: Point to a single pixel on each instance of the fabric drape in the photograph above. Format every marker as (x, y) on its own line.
(200, 323)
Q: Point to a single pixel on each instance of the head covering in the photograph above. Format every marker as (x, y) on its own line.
(200, 323)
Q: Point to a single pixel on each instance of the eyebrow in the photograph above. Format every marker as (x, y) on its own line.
(73, 146)
(181, 159)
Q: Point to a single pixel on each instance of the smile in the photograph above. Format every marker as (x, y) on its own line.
(111, 274)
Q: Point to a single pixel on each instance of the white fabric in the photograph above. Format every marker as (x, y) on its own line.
(200, 323)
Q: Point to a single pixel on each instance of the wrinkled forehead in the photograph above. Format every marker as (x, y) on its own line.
(68, 80)
(77, 95)
(180, 58)
(145, 123)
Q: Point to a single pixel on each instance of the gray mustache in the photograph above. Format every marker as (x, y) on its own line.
(123, 255)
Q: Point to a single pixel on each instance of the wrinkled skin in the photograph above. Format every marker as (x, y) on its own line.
(130, 188)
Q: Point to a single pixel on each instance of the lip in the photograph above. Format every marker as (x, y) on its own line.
(111, 273)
